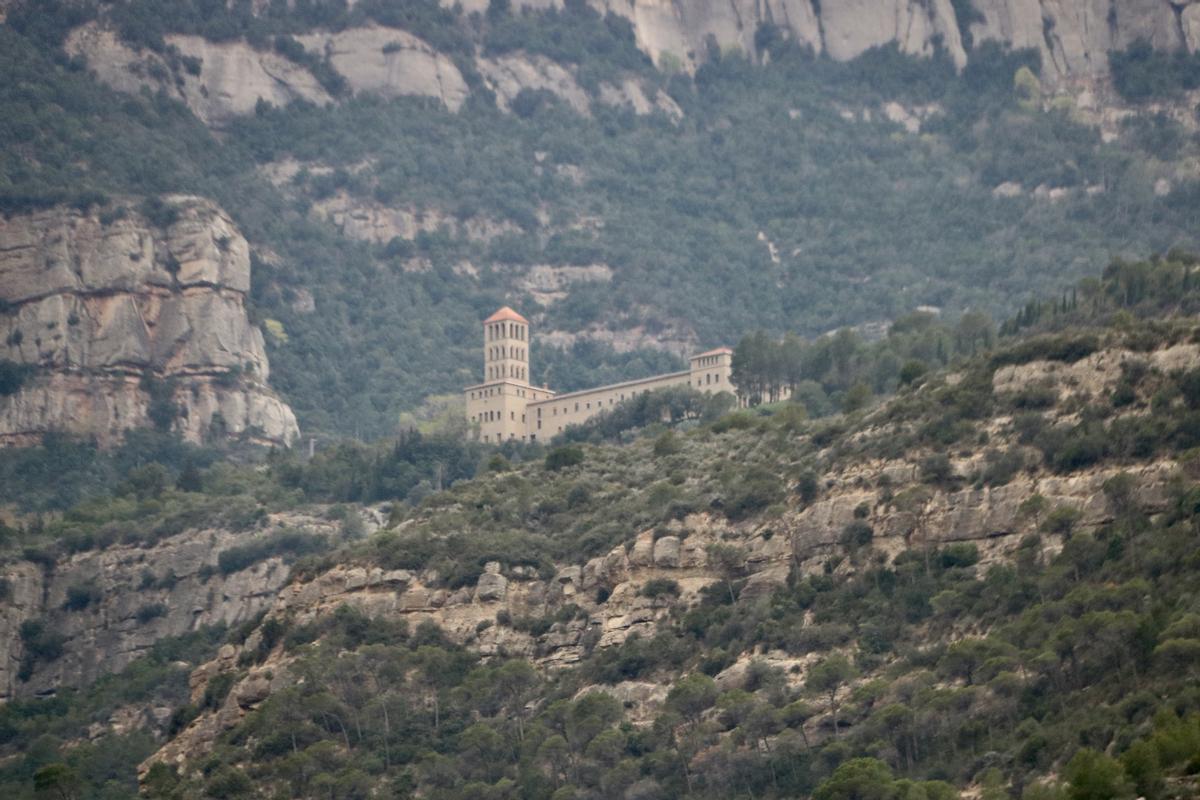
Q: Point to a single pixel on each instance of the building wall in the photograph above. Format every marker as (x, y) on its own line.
(499, 408)
(709, 373)
(505, 407)
(550, 417)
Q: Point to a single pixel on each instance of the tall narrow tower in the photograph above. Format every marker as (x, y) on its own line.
(506, 347)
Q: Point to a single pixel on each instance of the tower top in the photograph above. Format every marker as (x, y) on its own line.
(505, 314)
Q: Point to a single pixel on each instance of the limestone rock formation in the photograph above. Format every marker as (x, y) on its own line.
(134, 596)
(607, 589)
(108, 311)
(1073, 38)
(232, 79)
(390, 62)
(222, 80)
(507, 75)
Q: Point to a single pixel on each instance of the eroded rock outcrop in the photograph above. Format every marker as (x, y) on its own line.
(1073, 38)
(229, 79)
(118, 313)
(107, 607)
(391, 63)
(222, 80)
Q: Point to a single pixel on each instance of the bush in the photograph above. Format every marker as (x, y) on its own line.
(13, 376)
(151, 611)
(660, 587)
(563, 457)
(752, 496)
(1002, 466)
(1069, 449)
(1067, 349)
(937, 469)
(80, 596)
(857, 534)
(289, 543)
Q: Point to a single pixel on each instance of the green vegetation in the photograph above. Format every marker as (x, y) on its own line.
(682, 204)
(927, 671)
(48, 741)
(918, 673)
(1141, 73)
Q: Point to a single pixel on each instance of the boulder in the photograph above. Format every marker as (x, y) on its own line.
(491, 587)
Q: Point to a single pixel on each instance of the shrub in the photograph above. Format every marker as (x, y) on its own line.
(912, 372)
(1069, 449)
(959, 554)
(807, 488)
(1001, 466)
(857, 534)
(563, 457)
(937, 469)
(1067, 349)
(13, 376)
(80, 596)
(738, 420)
(40, 644)
(660, 587)
(288, 542)
(753, 495)
(151, 611)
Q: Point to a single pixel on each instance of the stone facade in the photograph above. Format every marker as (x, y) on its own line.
(506, 407)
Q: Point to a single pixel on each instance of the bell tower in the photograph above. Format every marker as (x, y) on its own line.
(506, 347)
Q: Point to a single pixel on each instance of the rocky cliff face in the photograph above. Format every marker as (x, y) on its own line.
(230, 78)
(109, 606)
(234, 77)
(1074, 38)
(117, 314)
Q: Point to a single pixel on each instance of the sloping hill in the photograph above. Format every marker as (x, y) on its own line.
(984, 584)
(398, 173)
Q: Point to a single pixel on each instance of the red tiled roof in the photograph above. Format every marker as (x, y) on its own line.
(505, 314)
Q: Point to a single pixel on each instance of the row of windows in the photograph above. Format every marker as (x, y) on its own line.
(495, 372)
(495, 390)
(505, 330)
(496, 416)
(499, 438)
(707, 361)
(496, 353)
(709, 379)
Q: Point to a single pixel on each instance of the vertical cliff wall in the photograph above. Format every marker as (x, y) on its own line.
(124, 322)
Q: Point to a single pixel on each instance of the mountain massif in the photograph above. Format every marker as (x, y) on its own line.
(642, 180)
(958, 561)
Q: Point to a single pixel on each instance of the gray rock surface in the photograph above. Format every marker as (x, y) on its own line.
(391, 63)
(233, 77)
(141, 595)
(1073, 37)
(96, 305)
(491, 587)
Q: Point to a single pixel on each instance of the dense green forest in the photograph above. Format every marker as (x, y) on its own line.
(927, 671)
(859, 220)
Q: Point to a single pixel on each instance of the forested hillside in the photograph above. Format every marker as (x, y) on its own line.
(983, 584)
(770, 189)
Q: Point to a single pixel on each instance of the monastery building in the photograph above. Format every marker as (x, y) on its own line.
(505, 406)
